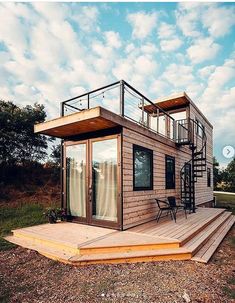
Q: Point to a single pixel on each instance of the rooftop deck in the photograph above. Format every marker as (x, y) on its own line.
(196, 237)
(83, 113)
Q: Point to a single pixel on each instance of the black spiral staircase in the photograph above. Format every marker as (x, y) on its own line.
(190, 132)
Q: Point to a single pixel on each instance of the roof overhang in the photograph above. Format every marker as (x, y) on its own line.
(172, 102)
(79, 123)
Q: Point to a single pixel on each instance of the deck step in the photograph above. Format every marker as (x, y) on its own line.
(117, 242)
(197, 242)
(195, 228)
(133, 256)
(45, 240)
(206, 252)
(50, 252)
(112, 258)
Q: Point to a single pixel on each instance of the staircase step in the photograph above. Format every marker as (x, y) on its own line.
(199, 159)
(132, 256)
(195, 244)
(207, 251)
(198, 153)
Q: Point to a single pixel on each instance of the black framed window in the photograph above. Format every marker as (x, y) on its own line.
(142, 168)
(208, 177)
(170, 172)
(200, 128)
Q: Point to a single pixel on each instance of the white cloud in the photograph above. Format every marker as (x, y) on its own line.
(203, 49)
(206, 71)
(77, 90)
(187, 17)
(142, 23)
(87, 18)
(222, 74)
(129, 48)
(216, 98)
(172, 72)
(159, 88)
(166, 30)
(170, 45)
(193, 17)
(148, 48)
(144, 65)
(50, 11)
(113, 39)
(218, 20)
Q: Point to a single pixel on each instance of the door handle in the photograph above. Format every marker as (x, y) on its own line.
(90, 192)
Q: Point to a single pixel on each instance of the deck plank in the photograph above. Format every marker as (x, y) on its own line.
(207, 251)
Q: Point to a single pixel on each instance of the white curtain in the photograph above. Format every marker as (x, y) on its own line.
(106, 191)
(76, 179)
(105, 180)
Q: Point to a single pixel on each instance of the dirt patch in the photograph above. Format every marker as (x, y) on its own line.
(25, 276)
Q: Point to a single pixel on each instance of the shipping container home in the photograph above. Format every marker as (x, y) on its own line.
(121, 151)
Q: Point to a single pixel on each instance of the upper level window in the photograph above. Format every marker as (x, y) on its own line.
(170, 172)
(208, 177)
(142, 168)
(199, 128)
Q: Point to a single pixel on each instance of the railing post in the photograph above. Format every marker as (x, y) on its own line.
(62, 189)
(122, 98)
(158, 120)
(142, 107)
(174, 131)
(62, 109)
(88, 101)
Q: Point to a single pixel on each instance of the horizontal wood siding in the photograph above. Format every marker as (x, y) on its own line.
(140, 206)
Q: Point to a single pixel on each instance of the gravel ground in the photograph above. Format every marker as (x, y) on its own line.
(25, 276)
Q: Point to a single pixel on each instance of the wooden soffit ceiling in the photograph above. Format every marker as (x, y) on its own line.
(169, 103)
(75, 124)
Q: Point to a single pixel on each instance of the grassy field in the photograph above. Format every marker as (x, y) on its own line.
(15, 217)
(225, 201)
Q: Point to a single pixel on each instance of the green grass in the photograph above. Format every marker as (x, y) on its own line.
(225, 201)
(229, 291)
(12, 218)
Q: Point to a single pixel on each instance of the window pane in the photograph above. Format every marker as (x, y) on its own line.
(208, 177)
(170, 172)
(142, 168)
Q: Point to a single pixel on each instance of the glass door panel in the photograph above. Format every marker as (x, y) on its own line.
(104, 180)
(76, 179)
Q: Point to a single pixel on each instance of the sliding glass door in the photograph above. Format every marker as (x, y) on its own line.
(92, 181)
(76, 175)
(104, 180)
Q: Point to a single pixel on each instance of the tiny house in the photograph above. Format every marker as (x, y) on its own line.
(121, 151)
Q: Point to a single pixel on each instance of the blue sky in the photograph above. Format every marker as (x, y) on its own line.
(52, 51)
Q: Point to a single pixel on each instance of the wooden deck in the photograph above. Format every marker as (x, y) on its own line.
(196, 238)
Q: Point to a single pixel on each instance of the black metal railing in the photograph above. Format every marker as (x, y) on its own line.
(124, 100)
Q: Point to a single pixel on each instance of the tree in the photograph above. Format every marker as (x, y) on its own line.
(216, 173)
(229, 176)
(18, 143)
(56, 155)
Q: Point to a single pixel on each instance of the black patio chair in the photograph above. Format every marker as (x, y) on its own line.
(165, 206)
(177, 206)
